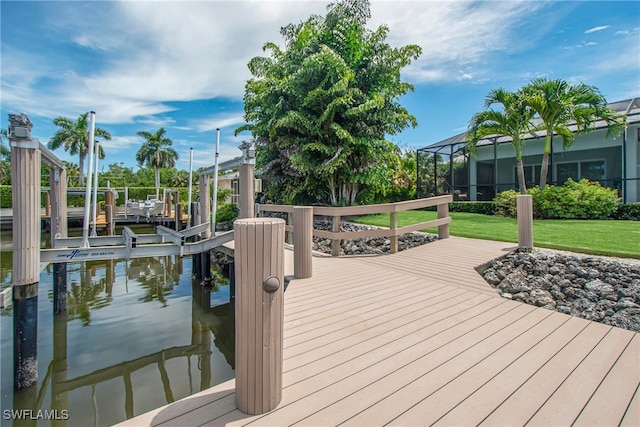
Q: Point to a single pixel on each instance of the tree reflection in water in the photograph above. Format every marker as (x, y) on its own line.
(157, 276)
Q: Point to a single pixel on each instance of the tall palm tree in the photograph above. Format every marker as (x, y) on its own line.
(156, 152)
(514, 121)
(558, 104)
(74, 137)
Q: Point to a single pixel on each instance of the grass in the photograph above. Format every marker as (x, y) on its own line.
(596, 237)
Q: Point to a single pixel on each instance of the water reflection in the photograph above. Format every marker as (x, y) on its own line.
(126, 343)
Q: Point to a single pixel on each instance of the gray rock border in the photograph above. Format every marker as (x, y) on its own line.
(601, 289)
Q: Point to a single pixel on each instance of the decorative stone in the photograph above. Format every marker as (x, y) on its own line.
(594, 288)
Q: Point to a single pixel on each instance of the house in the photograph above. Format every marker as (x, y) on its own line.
(615, 163)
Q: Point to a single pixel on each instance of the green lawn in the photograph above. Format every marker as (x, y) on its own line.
(597, 237)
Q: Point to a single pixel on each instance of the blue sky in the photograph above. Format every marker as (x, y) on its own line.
(141, 65)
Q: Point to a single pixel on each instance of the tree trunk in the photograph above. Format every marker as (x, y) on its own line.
(81, 172)
(521, 181)
(157, 183)
(545, 158)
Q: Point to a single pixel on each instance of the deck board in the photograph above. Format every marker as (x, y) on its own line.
(419, 338)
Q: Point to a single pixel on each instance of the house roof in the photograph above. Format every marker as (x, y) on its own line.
(629, 108)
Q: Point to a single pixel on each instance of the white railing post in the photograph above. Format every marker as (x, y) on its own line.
(259, 272)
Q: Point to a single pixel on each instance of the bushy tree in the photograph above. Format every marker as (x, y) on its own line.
(320, 107)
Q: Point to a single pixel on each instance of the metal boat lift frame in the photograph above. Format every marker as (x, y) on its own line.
(132, 245)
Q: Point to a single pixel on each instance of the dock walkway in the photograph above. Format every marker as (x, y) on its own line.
(418, 338)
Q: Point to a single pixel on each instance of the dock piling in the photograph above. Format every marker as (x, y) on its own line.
(259, 271)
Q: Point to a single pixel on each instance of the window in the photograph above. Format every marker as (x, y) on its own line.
(565, 171)
(531, 174)
(593, 170)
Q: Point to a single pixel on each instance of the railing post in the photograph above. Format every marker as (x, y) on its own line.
(443, 212)
(335, 243)
(290, 221)
(524, 208)
(393, 224)
(259, 271)
(302, 241)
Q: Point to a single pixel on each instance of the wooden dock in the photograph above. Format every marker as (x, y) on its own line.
(418, 338)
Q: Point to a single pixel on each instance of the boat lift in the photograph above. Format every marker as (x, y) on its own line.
(132, 245)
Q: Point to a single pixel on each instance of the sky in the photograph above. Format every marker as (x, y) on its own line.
(182, 65)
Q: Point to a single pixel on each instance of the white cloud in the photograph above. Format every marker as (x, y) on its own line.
(150, 55)
(453, 34)
(594, 29)
(219, 121)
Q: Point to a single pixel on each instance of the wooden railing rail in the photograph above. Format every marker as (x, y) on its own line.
(336, 213)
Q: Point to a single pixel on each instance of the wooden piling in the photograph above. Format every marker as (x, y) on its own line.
(205, 204)
(524, 208)
(178, 216)
(302, 241)
(25, 197)
(259, 271)
(247, 194)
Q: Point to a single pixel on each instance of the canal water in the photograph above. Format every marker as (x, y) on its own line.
(137, 334)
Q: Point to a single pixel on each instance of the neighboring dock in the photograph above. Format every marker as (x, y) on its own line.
(419, 338)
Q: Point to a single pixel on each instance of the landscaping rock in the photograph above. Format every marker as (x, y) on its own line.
(367, 245)
(595, 288)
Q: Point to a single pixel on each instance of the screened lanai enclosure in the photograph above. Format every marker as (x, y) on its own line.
(447, 168)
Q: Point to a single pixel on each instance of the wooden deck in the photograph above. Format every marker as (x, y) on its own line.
(418, 338)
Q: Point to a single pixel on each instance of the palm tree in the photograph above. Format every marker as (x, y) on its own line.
(514, 121)
(74, 136)
(558, 104)
(156, 152)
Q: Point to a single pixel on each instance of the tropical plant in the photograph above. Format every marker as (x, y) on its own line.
(513, 121)
(5, 158)
(157, 153)
(74, 137)
(559, 104)
(320, 108)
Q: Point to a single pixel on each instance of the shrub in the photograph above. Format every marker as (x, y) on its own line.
(226, 213)
(583, 199)
(627, 212)
(485, 208)
(505, 203)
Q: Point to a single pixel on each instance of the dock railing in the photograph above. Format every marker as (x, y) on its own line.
(336, 213)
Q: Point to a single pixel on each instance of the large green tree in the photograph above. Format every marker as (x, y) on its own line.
(74, 137)
(559, 104)
(512, 120)
(157, 153)
(321, 106)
